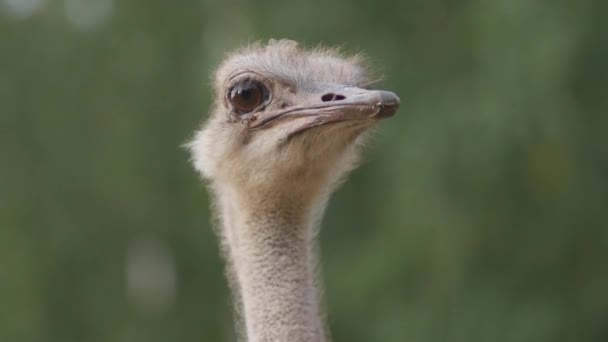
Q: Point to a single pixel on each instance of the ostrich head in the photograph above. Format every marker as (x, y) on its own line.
(287, 118)
(284, 129)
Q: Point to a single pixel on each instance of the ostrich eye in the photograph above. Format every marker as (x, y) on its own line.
(247, 96)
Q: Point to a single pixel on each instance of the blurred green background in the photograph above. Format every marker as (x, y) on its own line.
(479, 215)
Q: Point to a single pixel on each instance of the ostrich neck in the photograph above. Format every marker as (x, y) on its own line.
(269, 242)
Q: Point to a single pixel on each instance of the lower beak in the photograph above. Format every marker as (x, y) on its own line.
(338, 105)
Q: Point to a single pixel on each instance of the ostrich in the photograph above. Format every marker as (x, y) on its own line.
(283, 132)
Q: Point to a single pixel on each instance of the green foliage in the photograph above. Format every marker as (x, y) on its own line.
(480, 215)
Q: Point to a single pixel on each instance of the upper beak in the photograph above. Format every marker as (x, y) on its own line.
(370, 103)
(340, 103)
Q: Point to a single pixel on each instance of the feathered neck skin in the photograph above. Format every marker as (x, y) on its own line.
(268, 226)
(269, 242)
(284, 130)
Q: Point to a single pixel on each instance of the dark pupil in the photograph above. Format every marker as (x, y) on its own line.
(246, 97)
(246, 94)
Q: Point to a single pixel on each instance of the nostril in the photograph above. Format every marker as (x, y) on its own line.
(327, 97)
(332, 97)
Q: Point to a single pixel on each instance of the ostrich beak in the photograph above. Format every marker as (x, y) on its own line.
(350, 104)
(334, 104)
(356, 103)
